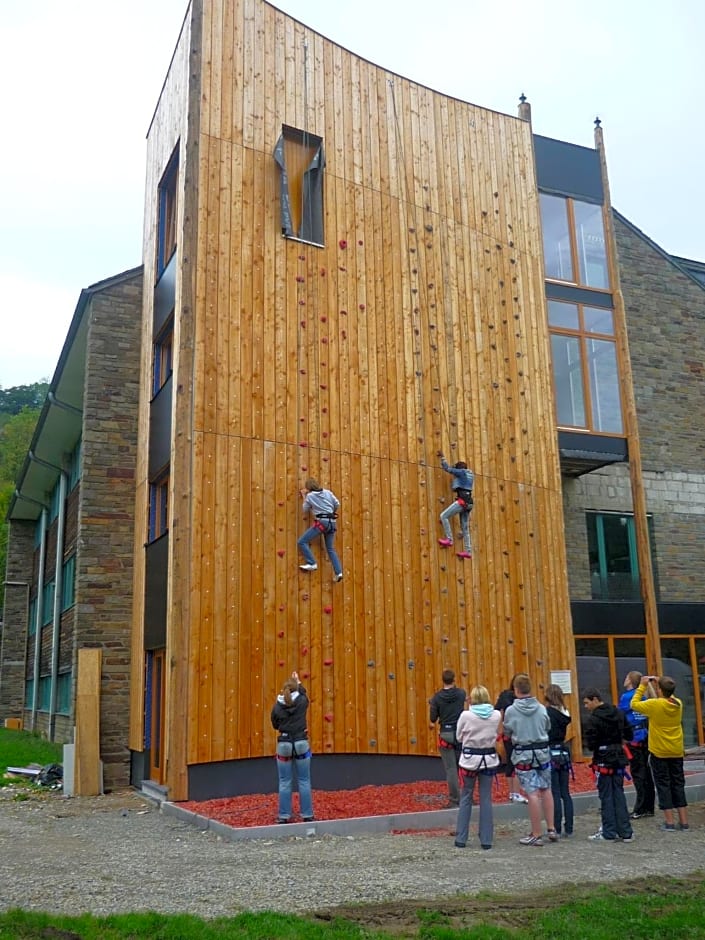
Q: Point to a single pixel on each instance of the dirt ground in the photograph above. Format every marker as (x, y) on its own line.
(399, 918)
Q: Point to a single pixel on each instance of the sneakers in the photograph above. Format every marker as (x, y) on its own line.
(628, 839)
(337, 577)
(683, 827)
(552, 835)
(640, 815)
(517, 798)
(459, 845)
(531, 840)
(308, 818)
(598, 837)
(464, 554)
(283, 820)
(308, 567)
(667, 827)
(486, 847)
(566, 835)
(445, 543)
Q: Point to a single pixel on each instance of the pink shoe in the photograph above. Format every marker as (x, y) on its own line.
(464, 554)
(446, 543)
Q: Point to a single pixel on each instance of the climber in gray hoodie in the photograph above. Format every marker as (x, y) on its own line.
(528, 724)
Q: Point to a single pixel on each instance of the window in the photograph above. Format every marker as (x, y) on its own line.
(574, 242)
(55, 502)
(32, 618)
(158, 507)
(301, 161)
(614, 568)
(48, 603)
(585, 373)
(63, 693)
(68, 583)
(75, 472)
(167, 206)
(163, 364)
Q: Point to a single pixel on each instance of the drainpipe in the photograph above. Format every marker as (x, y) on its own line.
(38, 618)
(58, 591)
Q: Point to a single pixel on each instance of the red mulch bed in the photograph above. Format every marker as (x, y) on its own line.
(261, 809)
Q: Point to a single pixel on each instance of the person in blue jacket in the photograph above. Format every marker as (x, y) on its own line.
(463, 480)
(639, 750)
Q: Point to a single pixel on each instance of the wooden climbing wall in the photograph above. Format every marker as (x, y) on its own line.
(418, 327)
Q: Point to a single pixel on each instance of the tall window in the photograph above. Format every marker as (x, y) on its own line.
(163, 356)
(158, 506)
(614, 568)
(574, 242)
(68, 583)
(75, 472)
(167, 206)
(585, 371)
(301, 162)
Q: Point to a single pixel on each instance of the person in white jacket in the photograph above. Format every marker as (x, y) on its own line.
(477, 735)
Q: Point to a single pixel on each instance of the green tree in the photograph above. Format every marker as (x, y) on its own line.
(13, 400)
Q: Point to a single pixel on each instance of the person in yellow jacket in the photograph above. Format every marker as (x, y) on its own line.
(665, 714)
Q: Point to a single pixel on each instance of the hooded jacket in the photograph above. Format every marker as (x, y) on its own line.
(639, 723)
(477, 729)
(526, 720)
(290, 720)
(446, 707)
(604, 733)
(559, 725)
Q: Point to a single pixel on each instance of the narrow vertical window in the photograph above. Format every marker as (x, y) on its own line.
(301, 161)
(167, 206)
(158, 506)
(163, 363)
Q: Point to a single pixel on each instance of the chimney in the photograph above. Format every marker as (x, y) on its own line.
(524, 108)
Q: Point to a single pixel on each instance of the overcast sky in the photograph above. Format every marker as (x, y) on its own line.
(80, 81)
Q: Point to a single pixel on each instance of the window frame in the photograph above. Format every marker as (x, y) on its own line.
(311, 229)
(167, 213)
(163, 356)
(577, 274)
(590, 387)
(158, 510)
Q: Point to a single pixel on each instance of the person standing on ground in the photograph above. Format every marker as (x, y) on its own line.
(293, 749)
(445, 707)
(645, 795)
(605, 732)
(666, 747)
(477, 737)
(504, 700)
(323, 506)
(463, 480)
(561, 765)
(528, 724)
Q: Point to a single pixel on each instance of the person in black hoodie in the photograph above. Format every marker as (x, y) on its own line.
(293, 749)
(560, 759)
(446, 706)
(605, 733)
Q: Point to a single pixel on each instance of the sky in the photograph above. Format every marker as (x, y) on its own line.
(80, 81)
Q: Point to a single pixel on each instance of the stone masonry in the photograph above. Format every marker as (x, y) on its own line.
(665, 312)
(13, 641)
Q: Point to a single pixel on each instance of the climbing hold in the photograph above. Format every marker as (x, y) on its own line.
(303, 324)
(322, 272)
(281, 552)
(323, 319)
(305, 675)
(391, 675)
(300, 280)
(327, 662)
(342, 243)
(281, 662)
(303, 443)
(371, 663)
(302, 303)
(360, 242)
(411, 664)
(328, 609)
(328, 717)
(362, 306)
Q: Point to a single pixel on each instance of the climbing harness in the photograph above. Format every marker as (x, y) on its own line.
(534, 762)
(464, 497)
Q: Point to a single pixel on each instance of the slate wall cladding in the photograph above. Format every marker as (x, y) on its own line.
(13, 638)
(106, 508)
(666, 325)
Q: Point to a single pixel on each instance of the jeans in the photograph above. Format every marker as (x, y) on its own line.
(613, 807)
(329, 537)
(562, 800)
(643, 781)
(462, 825)
(285, 769)
(449, 756)
(448, 514)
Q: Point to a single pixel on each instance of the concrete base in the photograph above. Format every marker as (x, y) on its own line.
(431, 819)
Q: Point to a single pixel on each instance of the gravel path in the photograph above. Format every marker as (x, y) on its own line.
(118, 853)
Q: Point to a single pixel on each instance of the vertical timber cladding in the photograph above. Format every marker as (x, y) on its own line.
(418, 327)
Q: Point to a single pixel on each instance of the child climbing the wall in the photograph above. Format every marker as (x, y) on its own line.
(323, 506)
(462, 484)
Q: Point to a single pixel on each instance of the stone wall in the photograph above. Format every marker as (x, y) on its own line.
(106, 508)
(13, 639)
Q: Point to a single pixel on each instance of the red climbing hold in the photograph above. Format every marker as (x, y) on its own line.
(304, 650)
(328, 717)
(327, 662)
(342, 243)
(281, 552)
(303, 443)
(328, 609)
(281, 633)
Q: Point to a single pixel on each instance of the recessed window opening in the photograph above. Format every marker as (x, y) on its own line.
(167, 209)
(301, 160)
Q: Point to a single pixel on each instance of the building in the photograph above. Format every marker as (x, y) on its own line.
(347, 274)
(70, 552)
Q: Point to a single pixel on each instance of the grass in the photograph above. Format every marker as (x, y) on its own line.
(22, 748)
(671, 908)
